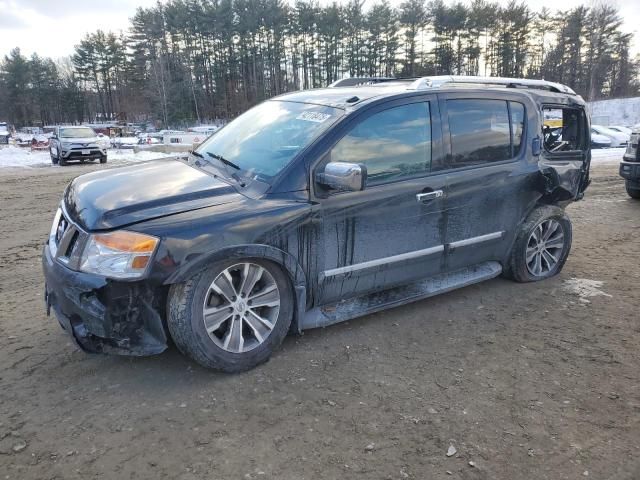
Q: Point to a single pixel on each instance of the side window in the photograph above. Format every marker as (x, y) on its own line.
(480, 132)
(564, 129)
(393, 144)
(517, 126)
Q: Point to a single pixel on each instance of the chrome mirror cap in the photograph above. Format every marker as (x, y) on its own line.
(343, 176)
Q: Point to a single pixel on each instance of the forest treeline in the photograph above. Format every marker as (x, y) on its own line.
(187, 61)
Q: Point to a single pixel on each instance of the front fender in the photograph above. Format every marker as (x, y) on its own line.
(287, 261)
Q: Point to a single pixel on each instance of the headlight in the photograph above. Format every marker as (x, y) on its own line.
(120, 254)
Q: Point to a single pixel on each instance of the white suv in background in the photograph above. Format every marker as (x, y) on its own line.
(618, 139)
(76, 143)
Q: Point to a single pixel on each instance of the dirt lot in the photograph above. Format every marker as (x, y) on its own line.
(526, 381)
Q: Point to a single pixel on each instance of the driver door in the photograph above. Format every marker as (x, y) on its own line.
(392, 232)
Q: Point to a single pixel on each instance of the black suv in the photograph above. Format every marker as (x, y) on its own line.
(317, 207)
(630, 165)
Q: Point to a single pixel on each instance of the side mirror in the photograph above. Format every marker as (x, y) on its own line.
(351, 177)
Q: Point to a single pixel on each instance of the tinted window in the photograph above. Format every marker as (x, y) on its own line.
(517, 125)
(393, 144)
(479, 131)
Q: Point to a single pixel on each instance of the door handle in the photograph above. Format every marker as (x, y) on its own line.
(425, 197)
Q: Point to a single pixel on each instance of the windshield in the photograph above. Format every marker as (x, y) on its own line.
(262, 141)
(77, 133)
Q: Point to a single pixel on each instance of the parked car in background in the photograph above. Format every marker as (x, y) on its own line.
(104, 141)
(149, 139)
(125, 143)
(630, 165)
(317, 207)
(22, 139)
(206, 130)
(4, 133)
(621, 129)
(599, 141)
(75, 143)
(618, 139)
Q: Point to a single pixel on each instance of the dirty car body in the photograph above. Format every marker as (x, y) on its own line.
(406, 231)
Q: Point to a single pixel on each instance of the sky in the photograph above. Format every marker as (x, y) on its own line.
(51, 28)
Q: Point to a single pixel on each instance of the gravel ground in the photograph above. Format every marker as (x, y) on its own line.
(535, 381)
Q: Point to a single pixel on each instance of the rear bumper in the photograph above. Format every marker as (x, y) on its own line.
(630, 171)
(104, 316)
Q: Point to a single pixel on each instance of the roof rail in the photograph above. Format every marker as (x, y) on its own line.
(355, 81)
(437, 81)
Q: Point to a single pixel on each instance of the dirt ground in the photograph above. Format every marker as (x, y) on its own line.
(525, 381)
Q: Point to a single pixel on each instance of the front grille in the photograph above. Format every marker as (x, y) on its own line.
(66, 240)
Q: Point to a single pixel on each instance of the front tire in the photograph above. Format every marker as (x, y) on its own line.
(632, 192)
(542, 245)
(54, 160)
(232, 316)
(103, 159)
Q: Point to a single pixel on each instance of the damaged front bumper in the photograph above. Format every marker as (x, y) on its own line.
(102, 315)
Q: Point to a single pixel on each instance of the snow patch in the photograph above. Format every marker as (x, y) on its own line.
(584, 288)
(19, 157)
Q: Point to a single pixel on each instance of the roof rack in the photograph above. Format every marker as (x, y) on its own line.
(355, 81)
(437, 81)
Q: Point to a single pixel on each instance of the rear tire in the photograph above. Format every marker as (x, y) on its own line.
(632, 192)
(103, 159)
(238, 334)
(542, 245)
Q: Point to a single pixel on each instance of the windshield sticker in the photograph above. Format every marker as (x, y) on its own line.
(313, 117)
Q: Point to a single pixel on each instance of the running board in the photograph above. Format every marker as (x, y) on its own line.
(375, 302)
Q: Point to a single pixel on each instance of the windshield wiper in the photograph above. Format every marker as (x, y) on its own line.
(224, 160)
(228, 163)
(196, 154)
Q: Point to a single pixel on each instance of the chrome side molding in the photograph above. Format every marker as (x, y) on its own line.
(383, 261)
(474, 240)
(410, 255)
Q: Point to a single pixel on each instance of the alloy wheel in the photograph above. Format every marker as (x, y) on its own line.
(241, 307)
(545, 247)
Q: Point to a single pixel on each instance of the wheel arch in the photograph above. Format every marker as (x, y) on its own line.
(284, 260)
(540, 202)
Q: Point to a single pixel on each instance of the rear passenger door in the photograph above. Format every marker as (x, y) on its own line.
(489, 181)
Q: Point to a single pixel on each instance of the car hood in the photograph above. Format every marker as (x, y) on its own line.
(109, 199)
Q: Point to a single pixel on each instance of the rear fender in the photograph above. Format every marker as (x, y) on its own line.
(563, 181)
